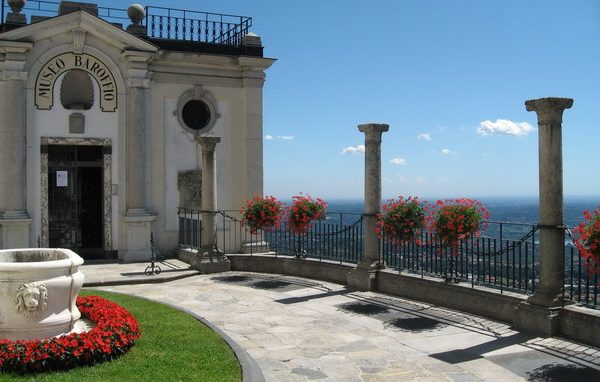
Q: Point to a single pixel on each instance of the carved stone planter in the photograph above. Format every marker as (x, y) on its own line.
(38, 289)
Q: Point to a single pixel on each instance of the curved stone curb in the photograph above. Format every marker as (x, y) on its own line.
(250, 370)
(139, 280)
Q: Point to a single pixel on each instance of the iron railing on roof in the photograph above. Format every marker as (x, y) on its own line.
(160, 22)
(212, 28)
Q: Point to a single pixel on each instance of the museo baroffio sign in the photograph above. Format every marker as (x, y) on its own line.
(44, 84)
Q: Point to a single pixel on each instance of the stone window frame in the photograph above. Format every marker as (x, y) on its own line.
(200, 94)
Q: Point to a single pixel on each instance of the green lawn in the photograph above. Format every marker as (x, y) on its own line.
(174, 347)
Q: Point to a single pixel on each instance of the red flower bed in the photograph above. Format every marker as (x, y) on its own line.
(303, 210)
(588, 242)
(115, 332)
(262, 214)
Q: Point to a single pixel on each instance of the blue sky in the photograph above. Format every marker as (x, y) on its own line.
(435, 71)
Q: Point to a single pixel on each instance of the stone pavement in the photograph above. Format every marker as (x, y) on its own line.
(303, 330)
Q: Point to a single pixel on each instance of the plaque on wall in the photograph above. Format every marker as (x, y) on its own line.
(189, 184)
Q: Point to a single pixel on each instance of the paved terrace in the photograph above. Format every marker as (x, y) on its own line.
(304, 330)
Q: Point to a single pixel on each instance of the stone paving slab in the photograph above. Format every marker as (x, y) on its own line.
(303, 330)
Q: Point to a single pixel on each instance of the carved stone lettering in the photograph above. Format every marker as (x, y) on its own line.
(44, 84)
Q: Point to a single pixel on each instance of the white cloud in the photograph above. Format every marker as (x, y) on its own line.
(353, 149)
(398, 161)
(504, 126)
(415, 180)
(424, 137)
(279, 137)
(447, 152)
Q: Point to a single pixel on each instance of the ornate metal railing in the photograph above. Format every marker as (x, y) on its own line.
(41, 8)
(160, 23)
(214, 28)
(506, 256)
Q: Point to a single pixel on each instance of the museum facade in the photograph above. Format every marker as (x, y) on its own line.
(99, 123)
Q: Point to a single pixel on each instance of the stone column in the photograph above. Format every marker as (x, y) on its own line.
(363, 277)
(208, 260)
(137, 218)
(14, 220)
(540, 313)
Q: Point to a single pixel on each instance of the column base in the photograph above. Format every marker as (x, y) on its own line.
(538, 320)
(362, 279)
(209, 261)
(14, 230)
(138, 227)
(548, 297)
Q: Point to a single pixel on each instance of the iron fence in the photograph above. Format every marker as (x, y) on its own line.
(496, 262)
(506, 256)
(213, 28)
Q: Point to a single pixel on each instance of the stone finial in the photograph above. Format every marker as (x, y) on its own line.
(549, 110)
(16, 17)
(136, 13)
(208, 143)
(16, 5)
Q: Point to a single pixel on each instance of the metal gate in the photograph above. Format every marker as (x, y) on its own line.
(75, 199)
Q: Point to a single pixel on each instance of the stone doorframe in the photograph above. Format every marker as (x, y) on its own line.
(106, 144)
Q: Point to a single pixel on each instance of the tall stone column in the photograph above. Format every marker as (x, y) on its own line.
(14, 220)
(138, 217)
(363, 277)
(540, 313)
(208, 260)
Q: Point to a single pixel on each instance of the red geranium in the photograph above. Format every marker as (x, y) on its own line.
(262, 213)
(401, 220)
(588, 242)
(115, 332)
(454, 219)
(303, 210)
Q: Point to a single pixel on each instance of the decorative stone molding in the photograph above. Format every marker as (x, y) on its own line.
(189, 184)
(107, 185)
(31, 299)
(198, 93)
(78, 40)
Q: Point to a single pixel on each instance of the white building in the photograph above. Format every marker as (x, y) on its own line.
(98, 124)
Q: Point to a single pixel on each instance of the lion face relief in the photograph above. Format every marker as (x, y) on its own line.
(31, 298)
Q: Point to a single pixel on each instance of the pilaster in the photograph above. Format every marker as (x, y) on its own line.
(138, 216)
(14, 219)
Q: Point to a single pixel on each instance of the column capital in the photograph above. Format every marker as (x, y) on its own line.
(549, 110)
(208, 143)
(373, 130)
